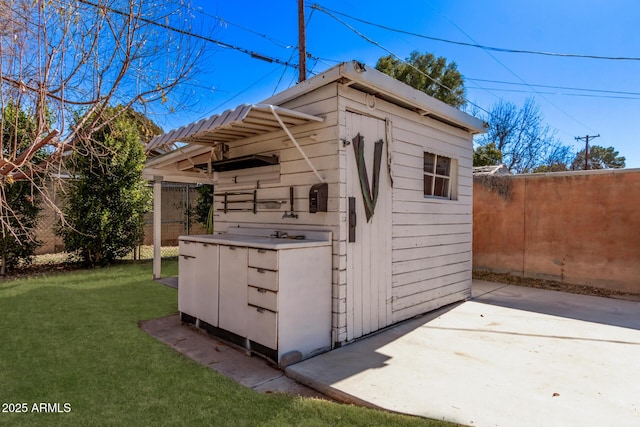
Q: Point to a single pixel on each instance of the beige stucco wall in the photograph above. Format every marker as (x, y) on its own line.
(575, 227)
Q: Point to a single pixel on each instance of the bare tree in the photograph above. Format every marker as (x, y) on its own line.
(526, 143)
(5, 21)
(65, 63)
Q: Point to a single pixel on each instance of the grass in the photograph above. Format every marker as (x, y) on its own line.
(73, 338)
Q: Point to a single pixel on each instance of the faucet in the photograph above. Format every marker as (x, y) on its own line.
(279, 234)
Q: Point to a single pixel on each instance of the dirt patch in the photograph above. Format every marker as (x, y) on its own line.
(38, 270)
(553, 285)
(47, 269)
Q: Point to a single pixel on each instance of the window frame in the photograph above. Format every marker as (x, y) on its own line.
(450, 179)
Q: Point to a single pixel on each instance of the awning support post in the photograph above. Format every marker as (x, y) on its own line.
(282, 125)
(157, 227)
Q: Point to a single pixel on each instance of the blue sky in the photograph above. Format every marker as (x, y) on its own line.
(589, 27)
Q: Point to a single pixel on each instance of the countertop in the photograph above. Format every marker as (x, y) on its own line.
(259, 242)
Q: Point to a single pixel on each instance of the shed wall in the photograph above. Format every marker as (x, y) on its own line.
(320, 143)
(431, 238)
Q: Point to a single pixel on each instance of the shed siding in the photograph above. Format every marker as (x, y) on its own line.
(427, 241)
(431, 238)
(320, 143)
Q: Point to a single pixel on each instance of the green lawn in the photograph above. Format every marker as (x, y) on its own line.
(73, 338)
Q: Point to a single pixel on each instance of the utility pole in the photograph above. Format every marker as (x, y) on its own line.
(302, 42)
(586, 147)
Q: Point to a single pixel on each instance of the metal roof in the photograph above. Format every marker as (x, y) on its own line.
(381, 86)
(244, 121)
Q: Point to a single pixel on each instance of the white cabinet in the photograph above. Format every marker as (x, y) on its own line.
(198, 285)
(275, 302)
(289, 301)
(233, 285)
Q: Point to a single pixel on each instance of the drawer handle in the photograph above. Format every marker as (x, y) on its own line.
(232, 248)
(261, 270)
(261, 290)
(262, 251)
(187, 256)
(260, 310)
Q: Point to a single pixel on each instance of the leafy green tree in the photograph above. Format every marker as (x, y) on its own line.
(21, 201)
(145, 127)
(599, 158)
(431, 75)
(19, 244)
(203, 208)
(487, 155)
(107, 198)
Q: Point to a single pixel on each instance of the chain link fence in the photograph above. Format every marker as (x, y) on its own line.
(178, 219)
(178, 204)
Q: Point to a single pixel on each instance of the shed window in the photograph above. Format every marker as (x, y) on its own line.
(437, 176)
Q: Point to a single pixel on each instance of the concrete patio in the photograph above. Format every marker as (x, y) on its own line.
(511, 356)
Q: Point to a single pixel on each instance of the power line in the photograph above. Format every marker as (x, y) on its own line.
(476, 45)
(585, 95)
(273, 40)
(253, 54)
(290, 58)
(487, 48)
(553, 87)
(329, 13)
(375, 43)
(239, 93)
(249, 30)
(518, 77)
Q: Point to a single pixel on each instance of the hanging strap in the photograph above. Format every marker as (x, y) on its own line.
(388, 130)
(369, 193)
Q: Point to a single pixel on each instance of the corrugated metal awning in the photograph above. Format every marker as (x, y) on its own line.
(242, 122)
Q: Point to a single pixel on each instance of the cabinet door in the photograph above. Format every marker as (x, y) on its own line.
(206, 283)
(233, 289)
(187, 282)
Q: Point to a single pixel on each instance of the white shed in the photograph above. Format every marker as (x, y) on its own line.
(397, 165)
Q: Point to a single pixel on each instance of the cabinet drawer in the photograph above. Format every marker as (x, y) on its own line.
(261, 278)
(261, 297)
(263, 258)
(262, 326)
(195, 249)
(187, 248)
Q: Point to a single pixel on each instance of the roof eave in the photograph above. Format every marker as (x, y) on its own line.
(390, 88)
